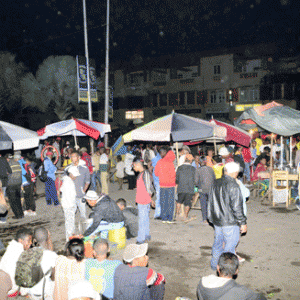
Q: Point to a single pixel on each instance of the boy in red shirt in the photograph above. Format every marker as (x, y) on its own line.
(144, 191)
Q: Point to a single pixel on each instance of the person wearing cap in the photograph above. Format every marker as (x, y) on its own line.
(50, 189)
(82, 290)
(68, 201)
(14, 183)
(225, 212)
(204, 180)
(134, 280)
(101, 270)
(185, 175)
(104, 164)
(225, 154)
(106, 215)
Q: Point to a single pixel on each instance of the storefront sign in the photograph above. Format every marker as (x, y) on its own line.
(242, 107)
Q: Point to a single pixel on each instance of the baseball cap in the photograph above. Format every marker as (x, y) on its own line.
(74, 171)
(224, 151)
(133, 251)
(82, 288)
(91, 195)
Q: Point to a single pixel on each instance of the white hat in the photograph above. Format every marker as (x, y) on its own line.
(82, 288)
(91, 195)
(224, 151)
(133, 251)
(74, 171)
(232, 167)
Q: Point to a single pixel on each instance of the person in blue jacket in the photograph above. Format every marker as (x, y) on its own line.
(50, 189)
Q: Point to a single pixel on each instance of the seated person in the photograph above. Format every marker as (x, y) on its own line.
(261, 167)
(106, 215)
(131, 218)
(13, 251)
(277, 160)
(224, 286)
(100, 271)
(82, 289)
(133, 280)
(265, 154)
(42, 238)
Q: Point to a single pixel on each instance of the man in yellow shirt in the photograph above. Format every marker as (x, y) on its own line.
(218, 166)
(259, 143)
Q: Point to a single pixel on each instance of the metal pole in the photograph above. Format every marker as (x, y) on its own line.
(88, 71)
(106, 74)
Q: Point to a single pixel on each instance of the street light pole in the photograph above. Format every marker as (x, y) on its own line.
(106, 74)
(88, 71)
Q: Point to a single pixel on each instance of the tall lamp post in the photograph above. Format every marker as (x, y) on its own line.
(106, 74)
(88, 71)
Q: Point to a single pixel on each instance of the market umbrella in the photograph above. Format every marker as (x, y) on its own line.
(175, 127)
(234, 133)
(75, 127)
(273, 117)
(16, 137)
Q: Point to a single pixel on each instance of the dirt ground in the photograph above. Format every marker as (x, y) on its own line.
(182, 252)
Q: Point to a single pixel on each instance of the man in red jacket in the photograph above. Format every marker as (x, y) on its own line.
(165, 171)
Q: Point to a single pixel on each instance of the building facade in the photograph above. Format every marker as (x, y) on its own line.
(219, 84)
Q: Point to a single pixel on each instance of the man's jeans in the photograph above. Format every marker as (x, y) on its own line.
(247, 171)
(144, 223)
(104, 227)
(167, 202)
(157, 202)
(94, 177)
(203, 200)
(226, 240)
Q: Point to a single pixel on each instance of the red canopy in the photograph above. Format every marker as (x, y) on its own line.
(234, 134)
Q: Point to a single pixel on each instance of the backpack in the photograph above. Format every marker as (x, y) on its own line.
(42, 174)
(28, 174)
(29, 271)
(147, 157)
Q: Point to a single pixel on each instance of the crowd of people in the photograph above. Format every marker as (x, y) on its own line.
(168, 183)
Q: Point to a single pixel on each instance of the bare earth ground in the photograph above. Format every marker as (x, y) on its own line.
(182, 251)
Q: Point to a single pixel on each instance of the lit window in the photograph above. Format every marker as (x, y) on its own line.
(135, 114)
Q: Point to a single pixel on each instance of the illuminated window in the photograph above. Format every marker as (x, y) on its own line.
(135, 114)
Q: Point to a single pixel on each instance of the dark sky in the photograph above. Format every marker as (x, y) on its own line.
(36, 29)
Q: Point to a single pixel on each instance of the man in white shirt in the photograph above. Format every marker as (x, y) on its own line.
(43, 239)
(13, 251)
(129, 157)
(104, 168)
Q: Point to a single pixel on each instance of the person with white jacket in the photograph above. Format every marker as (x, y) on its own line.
(68, 201)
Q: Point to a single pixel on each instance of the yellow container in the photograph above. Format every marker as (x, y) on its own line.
(118, 237)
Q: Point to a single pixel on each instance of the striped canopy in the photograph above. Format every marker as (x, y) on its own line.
(175, 127)
(16, 137)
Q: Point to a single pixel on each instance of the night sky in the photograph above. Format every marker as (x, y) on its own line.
(36, 29)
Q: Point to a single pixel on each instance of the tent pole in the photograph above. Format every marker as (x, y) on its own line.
(177, 153)
(215, 146)
(75, 139)
(271, 168)
(281, 152)
(291, 152)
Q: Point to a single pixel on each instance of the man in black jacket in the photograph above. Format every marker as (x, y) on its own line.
(223, 286)
(225, 212)
(106, 214)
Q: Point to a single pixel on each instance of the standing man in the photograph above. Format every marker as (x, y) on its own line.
(148, 154)
(204, 180)
(14, 187)
(82, 181)
(129, 157)
(104, 168)
(225, 212)
(165, 171)
(96, 173)
(5, 170)
(185, 176)
(50, 189)
(144, 192)
(87, 158)
(57, 147)
(156, 185)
